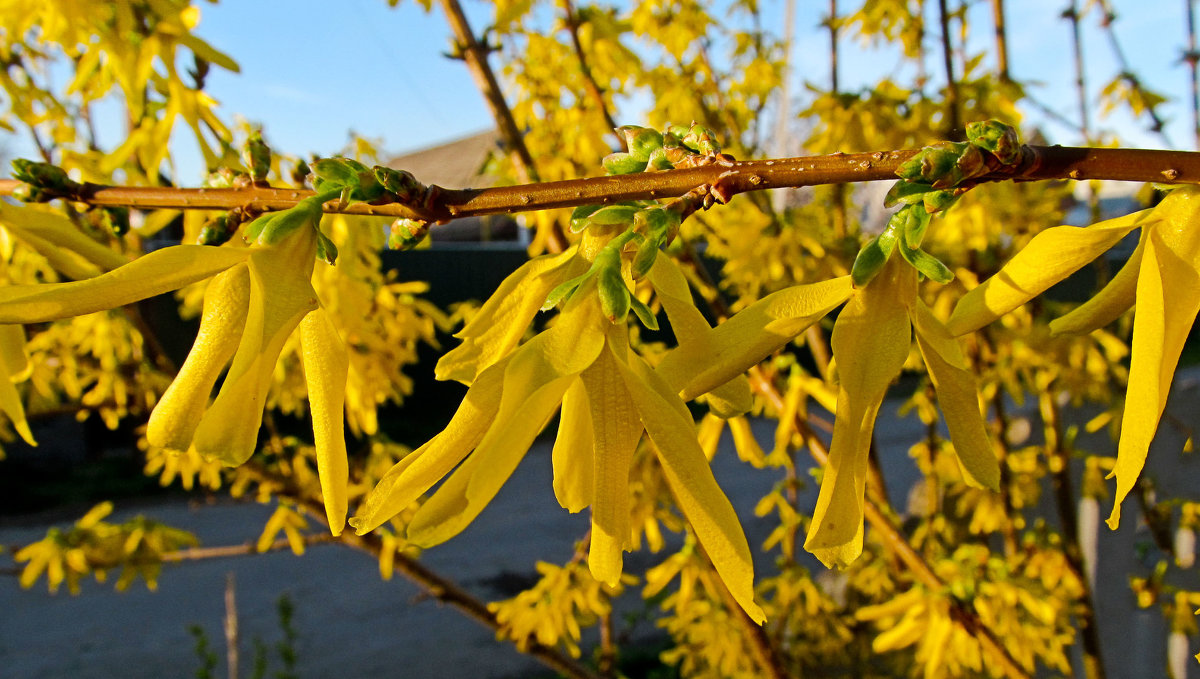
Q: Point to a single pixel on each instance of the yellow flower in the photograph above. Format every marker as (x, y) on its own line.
(258, 297)
(1162, 276)
(871, 341)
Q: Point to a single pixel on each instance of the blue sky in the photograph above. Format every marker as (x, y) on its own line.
(311, 74)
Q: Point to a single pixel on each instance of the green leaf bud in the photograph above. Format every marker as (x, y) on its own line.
(701, 140)
(27, 193)
(658, 161)
(997, 138)
(622, 163)
(641, 141)
(215, 231)
(257, 156)
(50, 178)
(400, 183)
(406, 234)
(971, 163)
(333, 172)
(936, 164)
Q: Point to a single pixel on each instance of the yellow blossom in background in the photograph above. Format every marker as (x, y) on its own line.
(871, 341)
(258, 297)
(1162, 277)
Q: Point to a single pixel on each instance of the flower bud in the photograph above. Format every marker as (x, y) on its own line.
(257, 156)
(27, 193)
(406, 234)
(215, 231)
(400, 183)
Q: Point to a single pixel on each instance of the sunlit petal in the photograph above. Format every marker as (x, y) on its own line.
(749, 336)
(1113, 299)
(425, 466)
(535, 381)
(14, 365)
(691, 328)
(56, 231)
(870, 344)
(153, 274)
(178, 412)
(326, 364)
(616, 430)
(1050, 257)
(280, 295)
(1168, 298)
(499, 325)
(958, 399)
(573, 456)
(708, 511)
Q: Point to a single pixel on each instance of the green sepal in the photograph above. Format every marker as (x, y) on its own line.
(873, 256)
(580, 215)
(936, 201)
(926, 263)
(333, 172)
(906, 193)
(564, 290)
(614, 215)
(913, 225)
(614, 296)
(326, 249)
(643, 312)
(256, 227)
(307, 212)
(646, 254)
(622, 163)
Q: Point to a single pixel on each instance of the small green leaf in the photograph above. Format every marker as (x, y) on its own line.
(614, 296)
(580, 215)
(614, 215)
(926, 263)
(643, 312)
(873, 256)
(622, 163)
(564, 291)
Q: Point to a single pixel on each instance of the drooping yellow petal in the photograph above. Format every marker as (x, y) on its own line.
(280, 295)
(616, 430)
(573, 457)
(499, 325)
(175, 417)
(1105, 306)
(958, 399)
(535, 381)
(1050, 257)
(153, 274)
(704, 505)
(1168, 299)
(14, 365)
(56, 230)
(749, 336)
(326, 364)
(425, 466)
(870, 343)
(690, 327)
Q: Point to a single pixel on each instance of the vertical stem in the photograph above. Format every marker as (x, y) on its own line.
(839, 190)
(1072, 14)
(1001, 40)
(231, 625)
(953, 112)
(589, 80)
(1191, 57)
(606, 664)
(475, 56)
(1059, 461)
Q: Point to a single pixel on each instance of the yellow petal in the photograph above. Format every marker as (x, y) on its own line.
(1168, 298)
(425, 466)
(745, 443)
(502, 321)
(704, 505)
(56, 230)
(280, 295)
(958, 398)
(326, 365)
(175, 417)
(535, 381)
(1105, 306)
(1050, 257)
(153, 274)
(690, 327)
(617, 431)
(870, 344)
(749, 336)
(13, 362)
(573, 458)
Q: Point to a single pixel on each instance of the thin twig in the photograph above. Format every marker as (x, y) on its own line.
(1001, 40)
(953, 105)
(1191, 57)
(1071, 13)
(1158, 126)
(593, 88)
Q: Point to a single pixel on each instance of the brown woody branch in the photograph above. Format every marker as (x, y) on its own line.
(1046, 162)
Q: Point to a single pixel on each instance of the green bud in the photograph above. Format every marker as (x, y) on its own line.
(50, 178)
(647, 252)
(971, 163)
(580, 217)
(906, 192)
(641, 141)
(614, 296)
(936, 164)
(674, 134)
(873, 256)
(622, 163)
(305, 214)
(701, 140)
(332, 172)
(936, 201)
(914, 225)
(257, 156)
(215, 231)
(27, 193)
(931, 267)
(300, 172)
(400, 183)
(614, 215)
(997, 138)
(658, 161)
(256, 227)
(406, 234)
